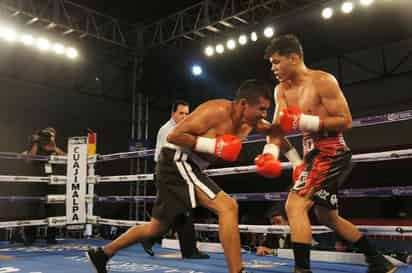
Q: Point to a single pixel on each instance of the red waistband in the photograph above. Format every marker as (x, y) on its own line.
(323, 141)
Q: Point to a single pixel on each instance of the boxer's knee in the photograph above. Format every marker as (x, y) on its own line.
(228, 205)
(297, 204)
(155, 228)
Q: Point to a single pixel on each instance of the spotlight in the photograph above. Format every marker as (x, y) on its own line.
(242, 39)
(253, 36)
(71, 53)
(196, 70)
(366, 2)
(43, 44)
(26, 39)
(327, 13)
(209, 51)
(268, 32)
(58, 48)
(347, 7)
(8, 34)
(220, 48)
(231, 44)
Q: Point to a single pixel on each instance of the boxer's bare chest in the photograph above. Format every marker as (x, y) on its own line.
(305, 97)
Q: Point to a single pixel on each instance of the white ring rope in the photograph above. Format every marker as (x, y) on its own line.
(367, 157)
(61, 180)
(278, 229)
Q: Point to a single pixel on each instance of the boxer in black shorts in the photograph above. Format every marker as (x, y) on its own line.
(214, 129)
(177, 175)
(312, 102)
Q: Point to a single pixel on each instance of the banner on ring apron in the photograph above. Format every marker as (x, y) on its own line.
(76, 182)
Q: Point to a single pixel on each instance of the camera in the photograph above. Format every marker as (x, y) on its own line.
(45, 136)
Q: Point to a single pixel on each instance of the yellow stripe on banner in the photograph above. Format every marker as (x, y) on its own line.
(91, 149)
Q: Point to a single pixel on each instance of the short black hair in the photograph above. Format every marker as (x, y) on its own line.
(284, 45)
(251, 90)
(177, 103)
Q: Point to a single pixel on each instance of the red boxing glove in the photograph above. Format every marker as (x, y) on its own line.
(226, 147)
(292, 119)
(267, 163)
(268, 166)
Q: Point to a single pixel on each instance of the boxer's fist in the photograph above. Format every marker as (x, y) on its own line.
(226, 147)
(289, 119)
(292, 119)
(268, 166)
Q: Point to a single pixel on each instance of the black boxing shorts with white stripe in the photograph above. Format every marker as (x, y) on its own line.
(176, 177)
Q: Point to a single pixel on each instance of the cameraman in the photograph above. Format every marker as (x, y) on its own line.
(43, 142)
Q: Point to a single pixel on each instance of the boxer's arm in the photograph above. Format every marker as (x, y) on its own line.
(59, 151)
(339, 117)
(276, 140)
(276, 135)
(280, 104)
(33, 149)
(203, 118)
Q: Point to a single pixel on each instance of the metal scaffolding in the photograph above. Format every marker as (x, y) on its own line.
(213, 17)
(71, 19)
(76, 21)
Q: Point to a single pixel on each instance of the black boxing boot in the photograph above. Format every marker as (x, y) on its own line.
(98, 259)
(148, 246)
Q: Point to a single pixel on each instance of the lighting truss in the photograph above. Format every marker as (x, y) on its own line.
(69, 19)
(212, 17)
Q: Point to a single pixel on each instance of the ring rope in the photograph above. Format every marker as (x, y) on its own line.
(60, 180)
(360, 122)
(278, 229)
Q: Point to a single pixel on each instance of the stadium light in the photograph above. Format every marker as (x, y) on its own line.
(231, 44)
(242, 39)
(209, 51)
(327, 13)
(268, 32)
(197, 70)
(347, 7)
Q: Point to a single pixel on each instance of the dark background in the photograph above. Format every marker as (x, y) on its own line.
(39, 90)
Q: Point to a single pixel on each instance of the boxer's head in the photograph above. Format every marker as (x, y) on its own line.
(285, 54)
(254, 99)
(180, 109)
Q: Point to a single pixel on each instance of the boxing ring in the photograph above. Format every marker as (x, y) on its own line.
(80, 199)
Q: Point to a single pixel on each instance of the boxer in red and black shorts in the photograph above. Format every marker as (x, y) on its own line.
(312, 102)
(327, 163)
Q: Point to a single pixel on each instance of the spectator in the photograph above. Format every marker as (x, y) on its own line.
(43, 142)
(276, 216)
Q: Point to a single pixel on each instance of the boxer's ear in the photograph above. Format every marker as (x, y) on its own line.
(294, 58)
